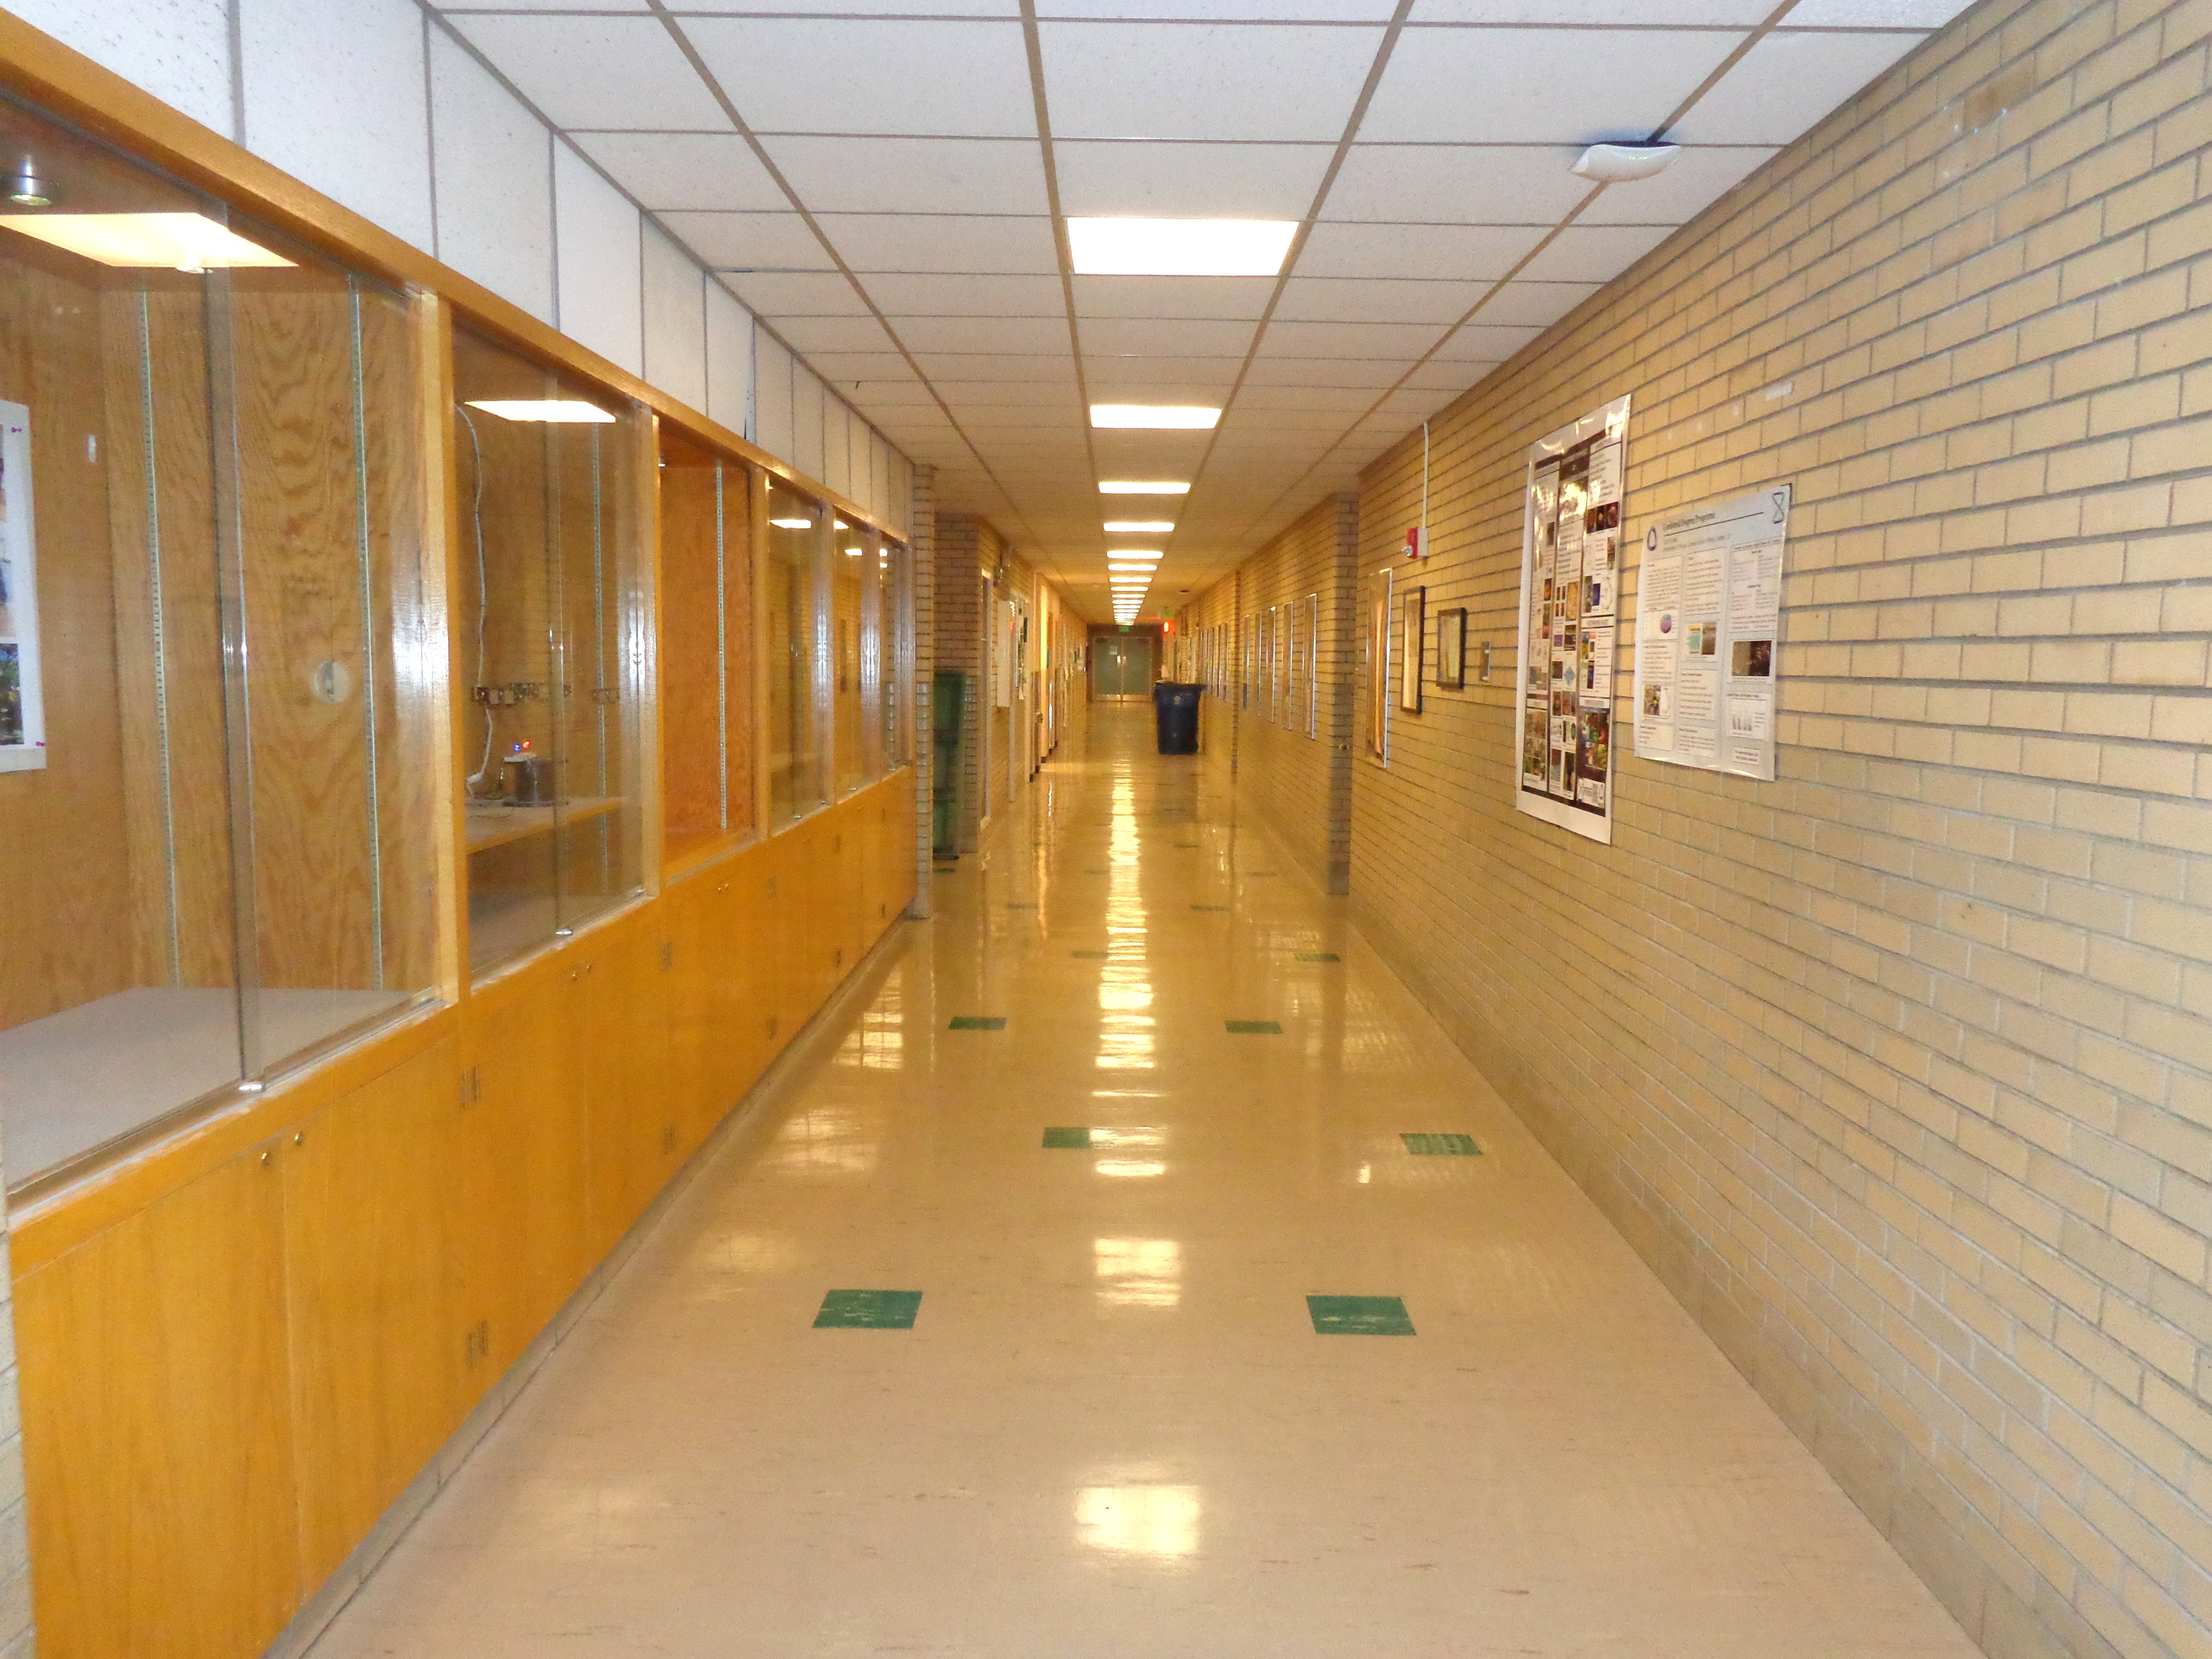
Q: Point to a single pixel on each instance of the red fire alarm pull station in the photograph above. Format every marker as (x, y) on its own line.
(1416, 542)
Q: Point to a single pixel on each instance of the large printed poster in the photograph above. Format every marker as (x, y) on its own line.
(1709, 604)
(1570, 578)
(22, 715)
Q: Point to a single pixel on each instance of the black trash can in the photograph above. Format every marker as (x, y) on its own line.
(1176, 704)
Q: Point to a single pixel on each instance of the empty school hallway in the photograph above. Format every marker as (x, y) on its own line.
(1138, 1272)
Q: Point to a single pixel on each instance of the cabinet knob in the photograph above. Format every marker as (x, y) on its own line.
(265, 1160)
(300, 1137)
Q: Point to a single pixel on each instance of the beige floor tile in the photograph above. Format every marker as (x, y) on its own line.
(1113, 1431)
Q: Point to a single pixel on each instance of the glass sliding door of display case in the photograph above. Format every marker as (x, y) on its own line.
(853, 583)
(706, 646)
(895, 655)
(799, 532)
(216, 773)
(543, 614)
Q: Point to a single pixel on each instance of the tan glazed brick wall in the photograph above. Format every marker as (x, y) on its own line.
(1293, 766)
(1899, 1068)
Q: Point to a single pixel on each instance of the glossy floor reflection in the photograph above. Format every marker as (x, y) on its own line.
(1116, 1426)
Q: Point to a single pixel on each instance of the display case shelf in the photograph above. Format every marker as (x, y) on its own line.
(496, 824)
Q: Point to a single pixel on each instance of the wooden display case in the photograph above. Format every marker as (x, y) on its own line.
(707, 651)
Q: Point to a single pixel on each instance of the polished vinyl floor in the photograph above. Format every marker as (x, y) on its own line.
(1199, 1355)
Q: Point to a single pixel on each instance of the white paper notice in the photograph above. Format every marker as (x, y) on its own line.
(1570, 571)
(1707, 616)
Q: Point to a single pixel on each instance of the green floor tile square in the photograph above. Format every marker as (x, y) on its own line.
(1358, 1316)
(978, 1022)
(1209, 907)
(1441, 1145)
(1068, 1140)
(1254, 1027)
(1319, 955)
(1089, 956)
(868, 1310)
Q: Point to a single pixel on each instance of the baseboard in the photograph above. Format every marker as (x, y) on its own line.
(815, 1043)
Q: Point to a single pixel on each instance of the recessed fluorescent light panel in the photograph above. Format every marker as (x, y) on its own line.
(178, 242)
(1136, 487)
(792, 524)
(1179, 247)
(1133, 552)
(1139, 526)
(560, 412)
(1155, 417)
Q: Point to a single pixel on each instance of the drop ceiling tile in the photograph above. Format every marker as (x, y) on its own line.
(927, 295)
(845, 335)
(1244, 297)
(774, 294)
(912, 175)
(1124, 336)
(1457, 185)
(996, 335)
(1043, 369)
(1535, 304)
(1786, 83)
(842, 8)
(1344, 400)
(668, 171)
(1204, 80)
(964, 392)
(1538, 86)
(898, 397)
(1560, 13)
(550, 5)
(1697, 178)
(1248, 416)
(1167, 380)
(1449, 377)
(1400, 343)
(1876, 14)
(1594, 253)
(1063, 414)
(1481, 342)
(1433, 253)
(905, 75)
(1323, 371)
(1304, 11)
(749, 241)
(597, 71)
(1375, 299)
(933, 242)
(1187, 180)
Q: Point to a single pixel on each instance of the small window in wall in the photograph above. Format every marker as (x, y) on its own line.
(215, 753)
(706, 646)
(545, 610)
(797, 655)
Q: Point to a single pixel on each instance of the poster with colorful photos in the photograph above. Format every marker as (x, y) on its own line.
(1709, 610)
(22, 715)
(1571, 556)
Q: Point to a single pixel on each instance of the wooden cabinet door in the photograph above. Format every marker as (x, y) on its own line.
(630, 1138)
(519, 1170)
(157, 1428)
(377, 1355)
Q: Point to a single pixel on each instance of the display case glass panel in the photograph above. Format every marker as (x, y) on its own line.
(217, 703)
(797, 579)
(706, 646)
(894, 644)
(852, 581)
(548, 623)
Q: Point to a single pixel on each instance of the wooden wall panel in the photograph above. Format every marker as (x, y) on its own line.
(157, 1428)
(69, 929)
(629, 1128)
(375, 1354)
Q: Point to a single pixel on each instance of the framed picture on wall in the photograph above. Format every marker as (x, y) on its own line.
(1452, 649)
(1411, 637)
(1378, 669)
